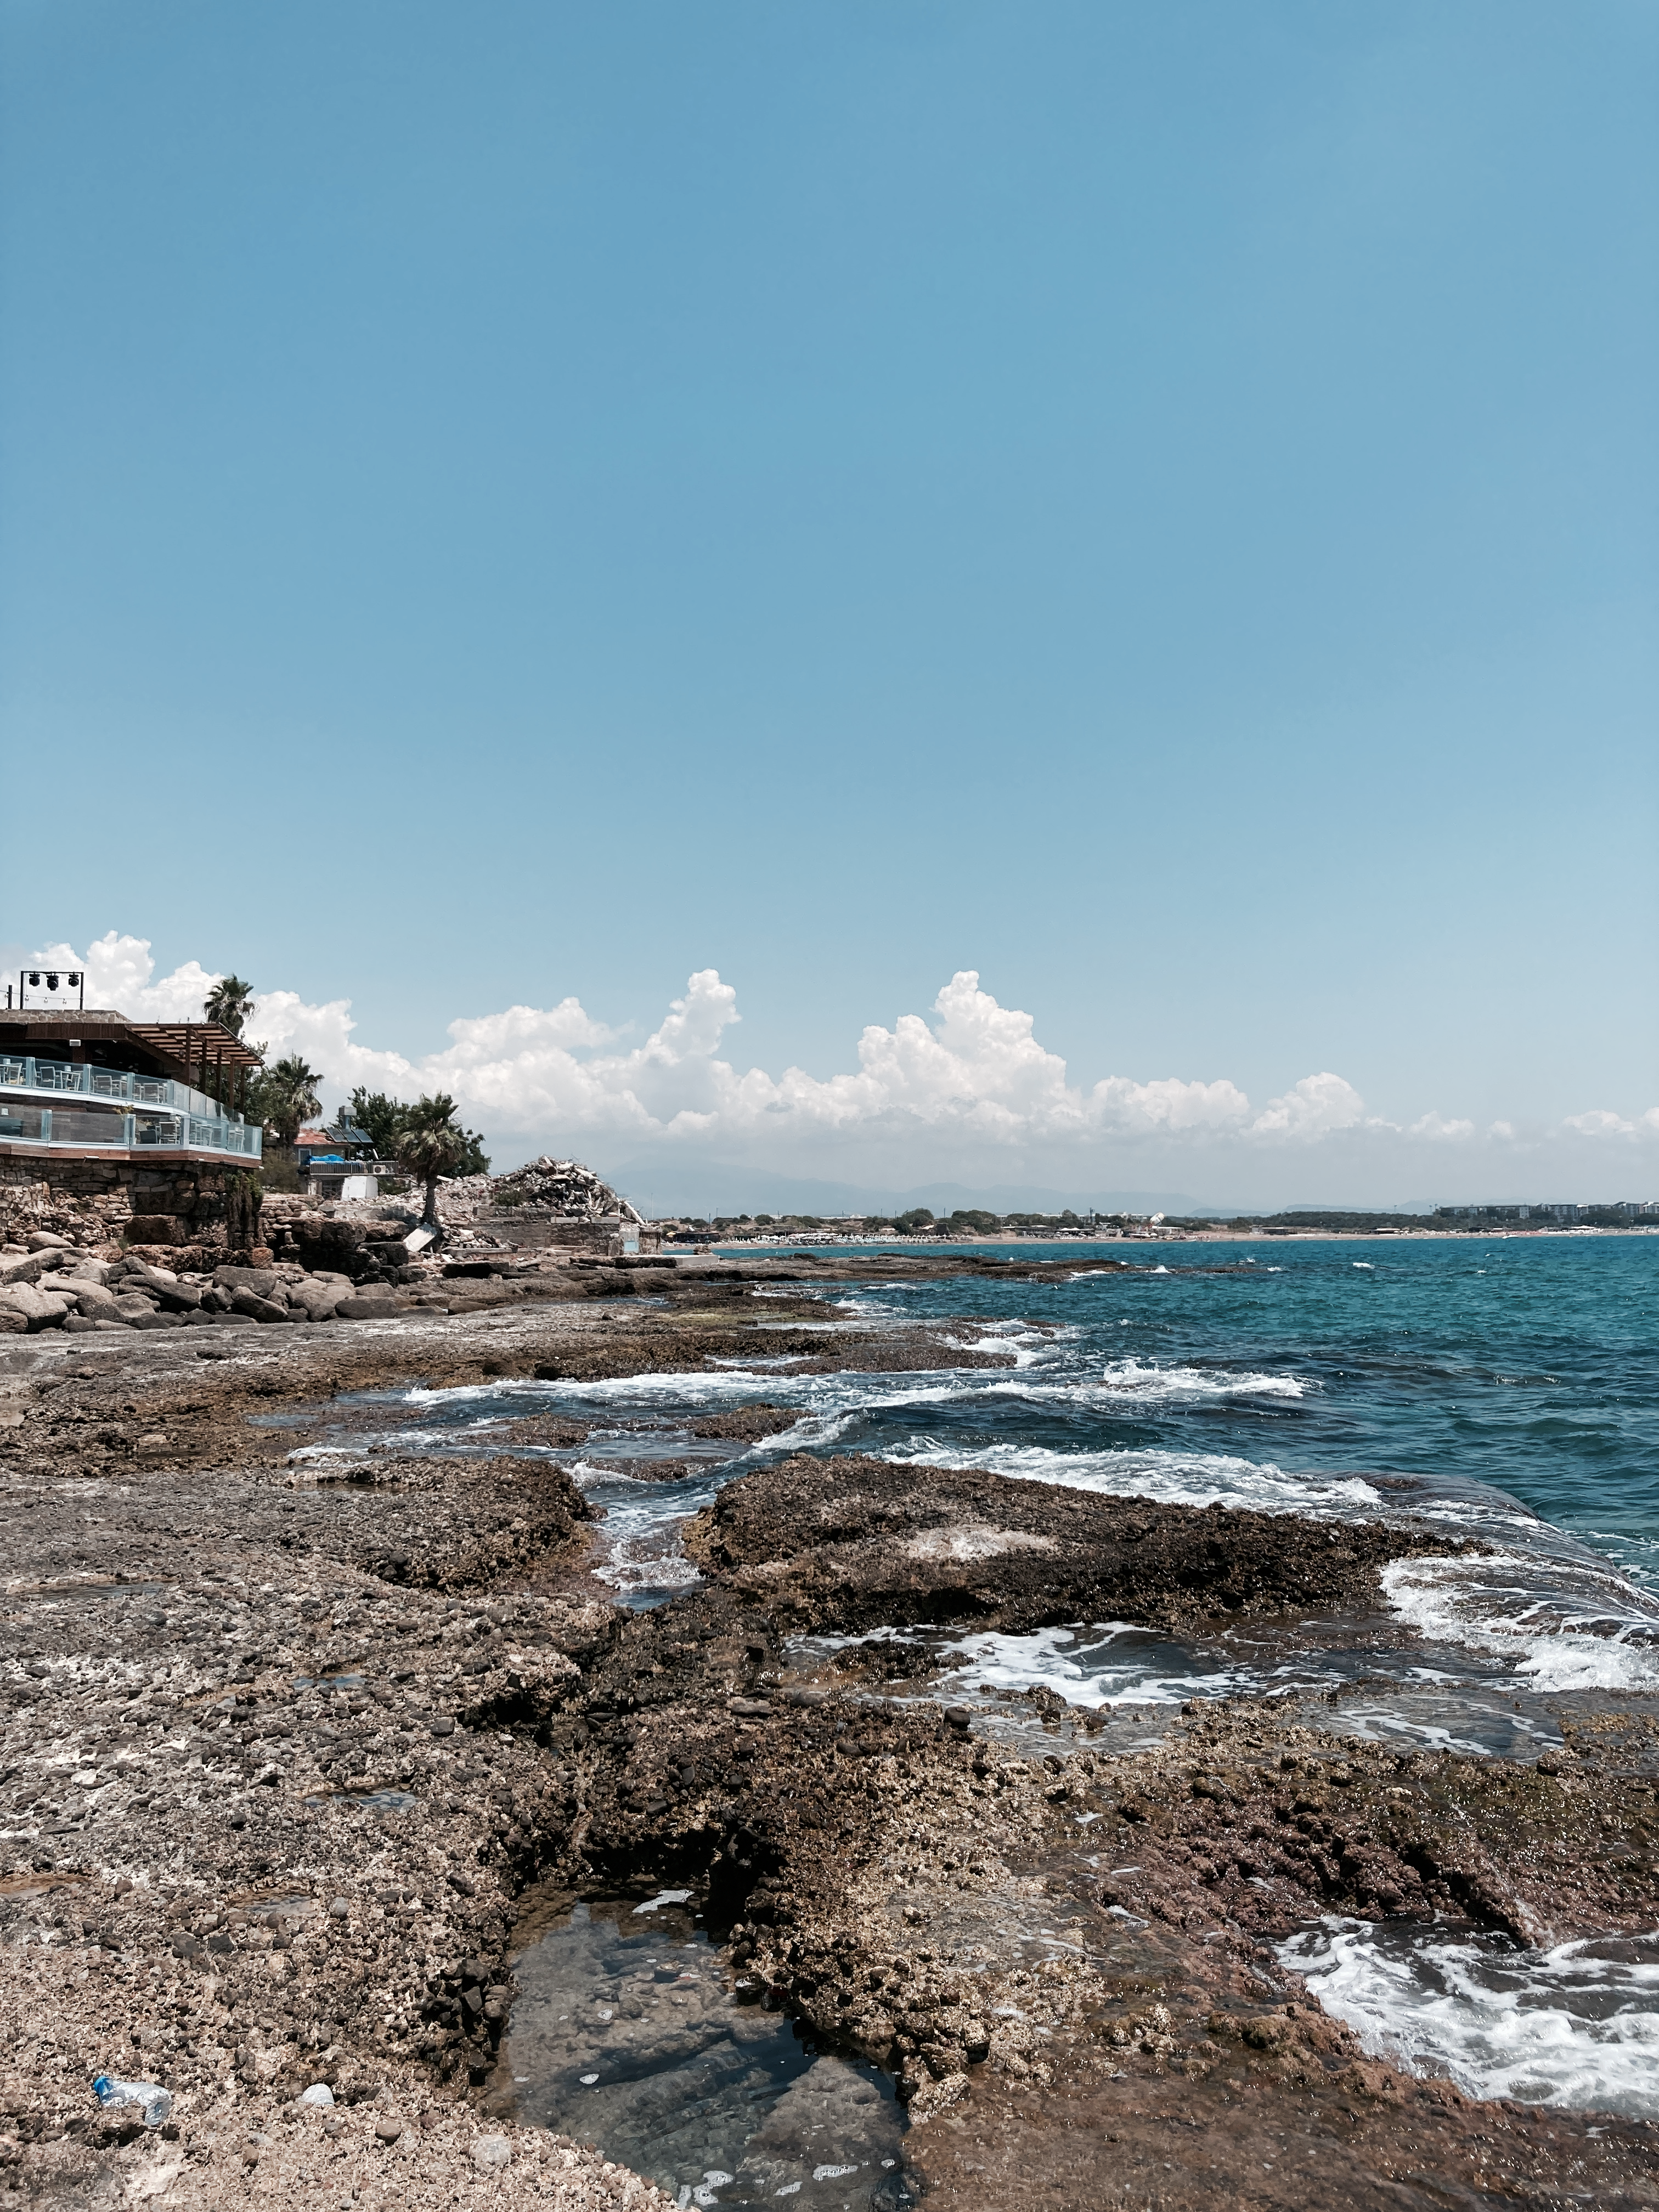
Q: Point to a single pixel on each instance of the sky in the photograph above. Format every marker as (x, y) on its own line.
(515, 522)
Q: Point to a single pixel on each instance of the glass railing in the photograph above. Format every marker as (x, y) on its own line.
(195, 1125)
(19, 1071)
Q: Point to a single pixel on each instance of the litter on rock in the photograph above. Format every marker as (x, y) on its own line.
(154, 2102)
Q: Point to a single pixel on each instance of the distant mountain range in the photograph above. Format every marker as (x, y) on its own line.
(701, 1189)
(659, 1186)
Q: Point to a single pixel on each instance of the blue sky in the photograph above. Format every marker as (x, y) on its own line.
(1154, 506)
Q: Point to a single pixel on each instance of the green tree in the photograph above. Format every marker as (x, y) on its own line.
(474, 1160)
(382, 1120)
(378, 1116)
(229, 1003)
(432, 1143)
(284, 1097)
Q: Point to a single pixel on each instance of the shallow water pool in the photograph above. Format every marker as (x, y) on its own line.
(627, 2033)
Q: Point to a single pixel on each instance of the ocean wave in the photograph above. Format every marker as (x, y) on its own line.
(1129, 1378)
(1576, 2026)
(1168, 1478)
(1559, 1624)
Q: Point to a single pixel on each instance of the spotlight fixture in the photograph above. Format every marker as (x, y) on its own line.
(52, 982)
(34, 979)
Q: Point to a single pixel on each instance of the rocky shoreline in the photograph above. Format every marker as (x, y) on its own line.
(302, 1744)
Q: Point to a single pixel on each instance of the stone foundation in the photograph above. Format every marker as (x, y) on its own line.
(109, 1199)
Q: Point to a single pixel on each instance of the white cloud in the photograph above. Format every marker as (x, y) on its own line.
(1600, 1123)
(1171, 1104)
(1435, 1126)
(967, 1090)
(119, 969)
(1311, 1107)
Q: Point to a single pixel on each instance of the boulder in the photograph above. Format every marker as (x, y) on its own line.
(11, 1323)
(250, 1304)
(327, 1246)
(44, 1240)
(132, 1306)
(369, 1308)
(23, 1267)
(175, 1297)
(262, 1281)
(91, 1299)
(39, 1309)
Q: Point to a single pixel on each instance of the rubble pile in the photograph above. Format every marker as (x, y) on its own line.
(562, 1189)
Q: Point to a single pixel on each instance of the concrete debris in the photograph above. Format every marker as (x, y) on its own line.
(563, 1190)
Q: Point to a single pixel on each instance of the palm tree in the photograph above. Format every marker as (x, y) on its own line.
(431, 1143)
(229, 1003)
(285, 1097)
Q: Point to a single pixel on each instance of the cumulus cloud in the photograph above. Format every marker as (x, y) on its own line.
(1600, 1123)
(1311, 1107)
(1435, 1126)
(119, 972)
(966, 1089)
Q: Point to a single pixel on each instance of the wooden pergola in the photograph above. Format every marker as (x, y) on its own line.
(203, 1047)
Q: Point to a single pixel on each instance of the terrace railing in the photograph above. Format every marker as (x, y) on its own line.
(195, 1122)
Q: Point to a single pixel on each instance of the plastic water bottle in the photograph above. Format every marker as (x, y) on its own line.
(154, 2102)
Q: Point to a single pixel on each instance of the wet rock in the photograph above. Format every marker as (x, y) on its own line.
(866, 1543)
(746, 1424)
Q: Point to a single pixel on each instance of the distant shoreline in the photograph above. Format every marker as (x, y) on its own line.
(805, 1241)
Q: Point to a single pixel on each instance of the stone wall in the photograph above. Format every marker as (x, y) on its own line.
(171, 1203)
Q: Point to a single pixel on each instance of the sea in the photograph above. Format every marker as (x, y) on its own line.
(1504, 1389)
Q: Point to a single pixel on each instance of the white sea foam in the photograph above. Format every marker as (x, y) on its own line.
(1164, 1386)
(1561, 1625)
(1577, 2025)
(1109, 1663)
(1168, 1478)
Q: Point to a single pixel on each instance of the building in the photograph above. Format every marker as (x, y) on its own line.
(93, 1083)
(340, 1164)
(93, 1105)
